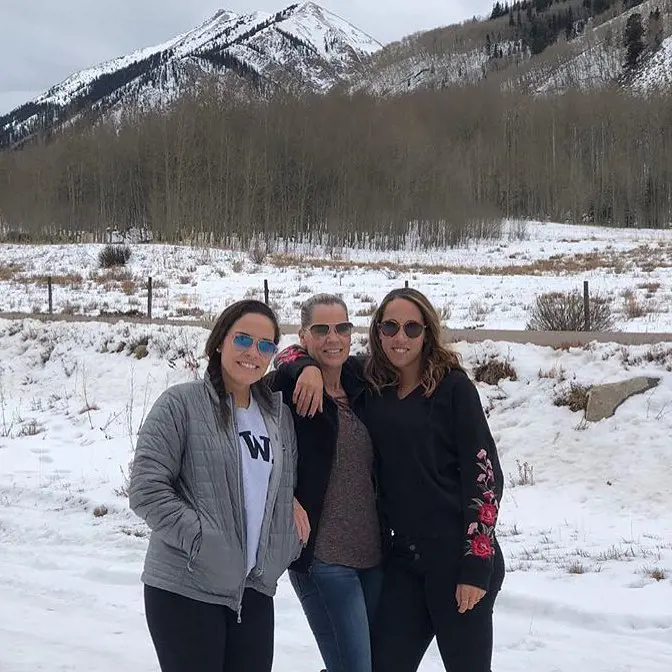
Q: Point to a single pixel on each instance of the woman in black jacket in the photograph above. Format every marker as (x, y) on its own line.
(440, 484)
(337, 577)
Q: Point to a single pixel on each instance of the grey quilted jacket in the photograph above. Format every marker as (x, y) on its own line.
(186, 483)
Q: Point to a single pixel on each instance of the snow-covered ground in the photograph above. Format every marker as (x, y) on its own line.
(588, 545)
(491, 284)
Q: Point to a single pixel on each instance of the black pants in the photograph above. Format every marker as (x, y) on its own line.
(418, 602)
(192, 636)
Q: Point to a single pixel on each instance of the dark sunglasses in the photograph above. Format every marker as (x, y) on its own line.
(265, 347)
(321, 330)
(412, 329)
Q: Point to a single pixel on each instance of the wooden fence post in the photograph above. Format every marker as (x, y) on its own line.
(266, 292)
(51, 296)
(586, 307)
(149, 297)
(406, 284)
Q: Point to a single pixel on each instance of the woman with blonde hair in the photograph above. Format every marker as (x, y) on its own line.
(440, 487)
(338, 576)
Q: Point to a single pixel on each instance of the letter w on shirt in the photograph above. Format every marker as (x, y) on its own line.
(256, 448)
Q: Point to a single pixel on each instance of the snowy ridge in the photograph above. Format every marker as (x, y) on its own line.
(658, 71)
(595, 58)
(303, 46)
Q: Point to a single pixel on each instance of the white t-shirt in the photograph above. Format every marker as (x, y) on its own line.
(257, 462)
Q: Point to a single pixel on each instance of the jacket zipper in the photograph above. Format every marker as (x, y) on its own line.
(274, 489)
(241, 505)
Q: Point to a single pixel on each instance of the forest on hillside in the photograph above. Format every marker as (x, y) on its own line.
(447, 164)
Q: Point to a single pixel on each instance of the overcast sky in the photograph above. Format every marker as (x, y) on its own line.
(42, 42)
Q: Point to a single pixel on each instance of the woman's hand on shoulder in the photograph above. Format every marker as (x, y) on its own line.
(309, 392)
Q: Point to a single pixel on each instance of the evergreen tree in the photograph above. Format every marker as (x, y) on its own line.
(654, 31)
(634, 46)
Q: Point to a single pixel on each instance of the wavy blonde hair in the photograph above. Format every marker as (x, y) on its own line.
(437, 359)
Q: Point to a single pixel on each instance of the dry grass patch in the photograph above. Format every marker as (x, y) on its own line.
(189, 312)
(525, 475)
(557, 264)
(444, 312)
(575, 397)
(73, 280)
(632, 306)
(576, 567)
(30, 428)
(493, 369)
(367, 310)
(555, 373)
(650, 287)
(566, 346)
(8, 271)
(129, 287)
(100, 511)
(656, 573)
(656, 354)
(69, 308)
(116, 278)
(478, 310)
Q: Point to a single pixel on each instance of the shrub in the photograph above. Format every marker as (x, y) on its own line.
(17, 236)
(525, 475)
(445, 312)
(564, 311)
(258, 252)
(114, 255)
(478, 310)
(633, 308)
(493, 370)
(367, 311)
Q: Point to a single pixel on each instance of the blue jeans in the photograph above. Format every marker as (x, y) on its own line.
(339, 603)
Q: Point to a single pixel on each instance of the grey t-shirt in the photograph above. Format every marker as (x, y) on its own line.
(257, 462)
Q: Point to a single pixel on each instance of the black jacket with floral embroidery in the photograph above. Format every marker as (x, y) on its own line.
(438, 469)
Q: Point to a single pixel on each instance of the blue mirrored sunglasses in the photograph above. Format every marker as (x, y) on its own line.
(265, 347)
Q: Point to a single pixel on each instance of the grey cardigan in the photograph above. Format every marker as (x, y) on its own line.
(186, 483)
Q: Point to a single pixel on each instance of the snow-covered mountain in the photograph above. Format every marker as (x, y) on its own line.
(593, 56)
(302, 48)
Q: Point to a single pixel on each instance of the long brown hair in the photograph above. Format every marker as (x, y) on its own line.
(437, 359)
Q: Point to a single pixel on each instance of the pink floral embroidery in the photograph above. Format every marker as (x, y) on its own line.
(481, 533)
(481, 547)
(289, 354)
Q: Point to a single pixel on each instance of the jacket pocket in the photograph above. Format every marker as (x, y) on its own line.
(217, 566)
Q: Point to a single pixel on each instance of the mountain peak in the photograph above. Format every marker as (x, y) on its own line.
(302, 48)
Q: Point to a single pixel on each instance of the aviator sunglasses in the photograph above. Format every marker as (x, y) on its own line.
(321, 330)
(412, 329)
(265, 347)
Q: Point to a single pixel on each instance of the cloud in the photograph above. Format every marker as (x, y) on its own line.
(42, 43)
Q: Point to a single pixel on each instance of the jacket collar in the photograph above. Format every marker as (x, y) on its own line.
(272, 406)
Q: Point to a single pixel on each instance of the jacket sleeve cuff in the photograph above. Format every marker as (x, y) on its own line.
(475, 572)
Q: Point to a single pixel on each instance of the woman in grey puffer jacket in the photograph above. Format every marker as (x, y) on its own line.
(213, 477)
